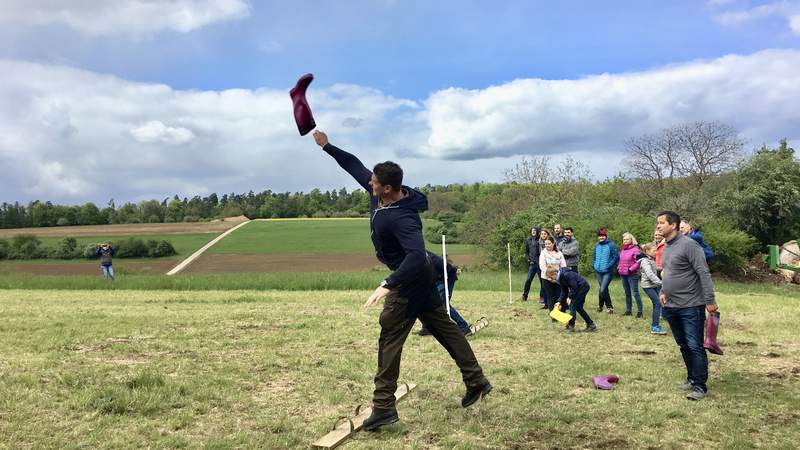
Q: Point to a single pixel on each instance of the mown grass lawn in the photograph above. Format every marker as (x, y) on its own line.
(274, 369)
(310, 237)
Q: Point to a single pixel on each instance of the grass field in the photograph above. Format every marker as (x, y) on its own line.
(247, 369)
(310, 237)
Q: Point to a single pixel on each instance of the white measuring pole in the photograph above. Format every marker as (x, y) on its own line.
(446, 285)
(508, 247)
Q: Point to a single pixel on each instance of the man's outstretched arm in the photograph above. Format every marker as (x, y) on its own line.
(346, 161)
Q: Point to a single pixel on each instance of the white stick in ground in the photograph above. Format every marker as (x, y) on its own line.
(508, 247)
(444, 269)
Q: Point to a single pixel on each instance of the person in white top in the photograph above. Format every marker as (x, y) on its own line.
(551, 257)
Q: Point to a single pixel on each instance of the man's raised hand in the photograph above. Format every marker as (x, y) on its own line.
(320, 138)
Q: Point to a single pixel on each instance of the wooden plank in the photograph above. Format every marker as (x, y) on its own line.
(479, 324)
(345, 427)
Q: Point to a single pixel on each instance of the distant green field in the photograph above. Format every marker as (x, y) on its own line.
(185, 245)
(310, 237)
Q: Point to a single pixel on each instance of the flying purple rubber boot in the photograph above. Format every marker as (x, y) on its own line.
(712, 327)
(605, 382)
(302, 112)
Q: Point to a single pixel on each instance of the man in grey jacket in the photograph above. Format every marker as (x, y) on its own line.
(686, 294)
(570, 249)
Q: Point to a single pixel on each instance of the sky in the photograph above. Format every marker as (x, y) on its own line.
(145, 99)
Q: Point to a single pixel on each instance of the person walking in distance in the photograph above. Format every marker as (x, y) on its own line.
(106, 252)
(686, 294)
(410, 290)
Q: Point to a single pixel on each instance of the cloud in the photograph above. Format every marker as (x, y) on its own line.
(155, 131)
(787, 9)
(596, 113)
(130, 17)
(71, 135)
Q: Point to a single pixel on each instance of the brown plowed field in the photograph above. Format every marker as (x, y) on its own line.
(292, 263)
(92, 268)
(135, 229)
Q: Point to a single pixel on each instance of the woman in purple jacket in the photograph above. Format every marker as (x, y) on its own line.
(628, 270)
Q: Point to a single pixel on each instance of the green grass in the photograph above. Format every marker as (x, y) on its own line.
(302, 281)
(247, 369)
(185, 245)
(310, 237)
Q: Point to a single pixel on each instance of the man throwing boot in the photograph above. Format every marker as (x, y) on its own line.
(410, 291)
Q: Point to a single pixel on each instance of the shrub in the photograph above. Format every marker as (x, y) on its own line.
(90, 251)
(26, 246)
(433, 233)
(130, 248)
(156, 249)
(66, 248)
(5, 249)
(731, 248)
(62, 221)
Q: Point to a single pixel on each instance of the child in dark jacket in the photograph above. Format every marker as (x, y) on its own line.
(573, 291)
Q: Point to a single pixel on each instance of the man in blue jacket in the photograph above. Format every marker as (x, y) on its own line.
(410, 290)
(604, 261)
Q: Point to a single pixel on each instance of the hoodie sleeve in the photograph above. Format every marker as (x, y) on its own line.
(351, 164)
(408, 233)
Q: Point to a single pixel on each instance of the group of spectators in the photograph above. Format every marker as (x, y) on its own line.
(672, 270)
(636, 265)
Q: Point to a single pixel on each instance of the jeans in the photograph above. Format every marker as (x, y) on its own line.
(576, 307)
(552, 291)
(533, 269)
(108, 271)
(687, 328)
(653, 294)
(462, 324)
(631, 283)
(604, 279)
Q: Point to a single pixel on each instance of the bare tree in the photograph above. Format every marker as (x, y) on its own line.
(709, 148)
(698, 150)
(541, 170)
(529, 170)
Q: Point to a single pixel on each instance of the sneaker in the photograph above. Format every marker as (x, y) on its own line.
(423, 332)
(639, 315)
(543, 306)
(569, 329)
(611, 310)
(627, 313)
(600, 309)
(379, 418)
(696, 394)
(523, 299)
(590, 328)
(656, 329)
(685, 386)
(475, 393)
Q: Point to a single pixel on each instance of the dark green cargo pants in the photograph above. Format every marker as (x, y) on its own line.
(396, 323)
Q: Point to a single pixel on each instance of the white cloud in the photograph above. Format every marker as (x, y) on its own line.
(70, 135)
(114, 17)
(596, 113)
(155, 131)
(787, 9)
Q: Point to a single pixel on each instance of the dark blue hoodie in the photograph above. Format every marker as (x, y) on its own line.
(572, 284)
(396, 229)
